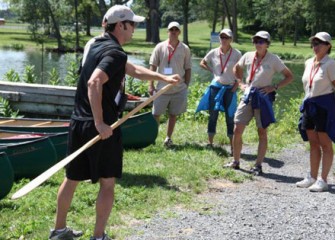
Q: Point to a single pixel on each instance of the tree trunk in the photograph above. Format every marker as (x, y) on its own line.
(55, 26)
(155, 20)
(227, 13)
(215, 17)
(102, 7)
(88, 20)
(185, 26)
(235, 21)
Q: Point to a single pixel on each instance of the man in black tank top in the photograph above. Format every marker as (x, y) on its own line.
(97, 106)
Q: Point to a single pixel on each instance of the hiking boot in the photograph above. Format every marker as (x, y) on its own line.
(104, 238)
(256, 170)
(233, 164)
(307, 182)
(319, 186)
(67, 234)
(168, 142)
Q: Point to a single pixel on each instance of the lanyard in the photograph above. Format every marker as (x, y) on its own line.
(312, 74)
(253, 70)
(224, 66)
(171, 53)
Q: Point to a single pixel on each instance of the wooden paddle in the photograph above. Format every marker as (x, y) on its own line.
(58, 166)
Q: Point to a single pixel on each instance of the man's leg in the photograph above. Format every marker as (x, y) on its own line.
(171, 125)
(104, 205)
(64, 199)
(237, 141)
(262, 145)
(327, 154)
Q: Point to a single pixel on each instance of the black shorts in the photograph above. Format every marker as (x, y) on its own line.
(101, 160)
(317, 121)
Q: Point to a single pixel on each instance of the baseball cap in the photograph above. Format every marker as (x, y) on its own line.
(119, 13)
(323, 36)
(227, 32)
(262, 34)
(174, 24)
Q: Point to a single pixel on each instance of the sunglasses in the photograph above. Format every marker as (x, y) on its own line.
(173, 29)
(131, 23)
(259, 41)
(224, 37)
(317, 43)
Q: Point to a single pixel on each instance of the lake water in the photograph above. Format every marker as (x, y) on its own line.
(17, 60)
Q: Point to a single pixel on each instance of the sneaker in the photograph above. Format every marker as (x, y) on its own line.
(67, 234)
(104, 238)
(210, 145)
(168, 142)
(319, 186)
(307, 182)
(256, 170)
(233, 164)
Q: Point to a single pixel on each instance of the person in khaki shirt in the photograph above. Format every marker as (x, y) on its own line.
(318, 112)
(258, 89)
(171, 57)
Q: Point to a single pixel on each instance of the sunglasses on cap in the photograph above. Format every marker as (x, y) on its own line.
(317, 43)
(174, 29)
(259, 41)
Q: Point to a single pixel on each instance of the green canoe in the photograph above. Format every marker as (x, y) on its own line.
(29, 159)
(138, 131)
(59, 140)
(6, 175)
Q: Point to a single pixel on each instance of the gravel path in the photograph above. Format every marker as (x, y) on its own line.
(269, 207)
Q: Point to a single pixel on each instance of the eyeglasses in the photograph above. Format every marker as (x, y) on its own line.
(173, 29)
(317, 43)
(224, 37)
(259, 41)
(131, 23)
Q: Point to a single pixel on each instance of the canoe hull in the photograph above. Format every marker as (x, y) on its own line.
(6, 175)
(29, 159)
(138, 131)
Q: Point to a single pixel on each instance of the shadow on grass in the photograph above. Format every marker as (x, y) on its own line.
(197, 146)
(149, 181)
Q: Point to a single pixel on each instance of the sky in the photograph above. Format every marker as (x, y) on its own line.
(3, 6)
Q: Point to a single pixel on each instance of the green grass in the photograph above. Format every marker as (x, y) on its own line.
(199, 35)
(154, 178)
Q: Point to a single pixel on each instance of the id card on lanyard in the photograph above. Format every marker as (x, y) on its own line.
(168, 70)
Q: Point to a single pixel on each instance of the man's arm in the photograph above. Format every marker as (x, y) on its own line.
(143, 73)
(152, 83)
(187, 77)
(94, 85)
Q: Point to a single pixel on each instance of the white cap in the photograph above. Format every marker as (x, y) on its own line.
(323, 36)
(174, 24)
(119, 13)
(227, 32)
(262, 34)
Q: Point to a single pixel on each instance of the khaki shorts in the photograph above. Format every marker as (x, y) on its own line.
(245, 113)
(176, 103)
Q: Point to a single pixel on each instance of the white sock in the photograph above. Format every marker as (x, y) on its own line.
(61, 230)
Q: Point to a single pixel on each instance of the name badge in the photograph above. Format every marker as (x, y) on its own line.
(168, 71)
